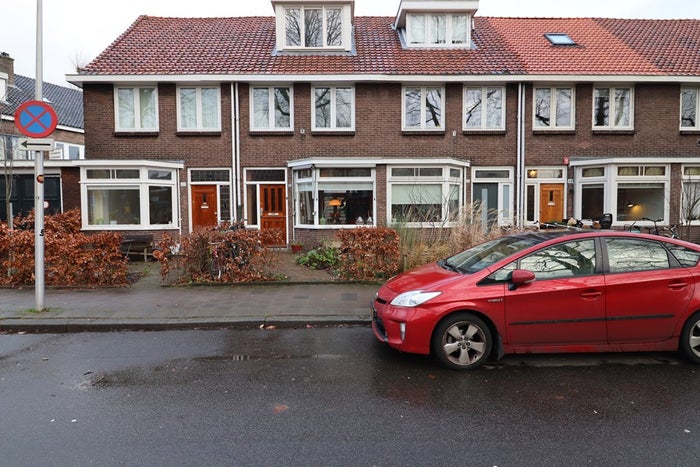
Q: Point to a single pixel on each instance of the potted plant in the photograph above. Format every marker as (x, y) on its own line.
(296, 247)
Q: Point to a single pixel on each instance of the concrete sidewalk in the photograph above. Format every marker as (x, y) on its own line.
(148, 305)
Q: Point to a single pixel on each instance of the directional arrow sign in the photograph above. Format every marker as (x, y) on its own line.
(37, 144)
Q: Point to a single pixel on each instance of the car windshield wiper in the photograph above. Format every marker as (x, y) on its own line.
(445, 265)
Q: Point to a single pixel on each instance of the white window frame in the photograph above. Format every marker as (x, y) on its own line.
(423, 108)
(138, 124)
(446, 182)
(449, 42)
(692, 101)
(612, 108)
(553, 106)
(483, 124)
(271, 106)
(199, 111)
(63, 150)
(690, 174)
(334, 108)
(345, 35)
(506, 191)
(141, 183)
(612, 182)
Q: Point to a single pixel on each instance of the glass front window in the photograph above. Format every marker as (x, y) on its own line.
(314, 27)
(424, 195)
(137, 198)
(136, 108)
(492, 194)
(198, 109)
(612, 108)
(437, 30)
(554, 108)
(271, 108)
(484, 108)
(689, 109)
(423, 108)
(334, 108)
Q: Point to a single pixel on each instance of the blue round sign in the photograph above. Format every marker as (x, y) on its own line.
(36, 119)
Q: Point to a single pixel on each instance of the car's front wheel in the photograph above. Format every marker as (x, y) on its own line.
(690, 338)
(462, 341)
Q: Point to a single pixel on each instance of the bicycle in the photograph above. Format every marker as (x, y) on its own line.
(670, 232)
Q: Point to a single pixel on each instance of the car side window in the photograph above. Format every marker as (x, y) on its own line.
(632, 254)
(563, 260)
(570, 259)
(687, 257)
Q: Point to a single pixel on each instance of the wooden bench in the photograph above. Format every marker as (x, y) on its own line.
(137, 245)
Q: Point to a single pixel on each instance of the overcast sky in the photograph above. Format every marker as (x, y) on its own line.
(76, 31)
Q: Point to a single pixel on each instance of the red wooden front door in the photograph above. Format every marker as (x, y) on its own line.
(204, 206)
(273, 209)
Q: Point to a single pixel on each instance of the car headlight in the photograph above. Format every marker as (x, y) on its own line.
(413, 298)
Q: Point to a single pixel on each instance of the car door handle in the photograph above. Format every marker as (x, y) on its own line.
(677, 285)
(591, 294)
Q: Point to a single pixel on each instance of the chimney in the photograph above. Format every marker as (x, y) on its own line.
(7, 66)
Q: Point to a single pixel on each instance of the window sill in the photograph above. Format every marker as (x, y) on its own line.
(271, 133)
(332, 226)
(554, 131)
(131, 134)
(423, 132)
(333, 132)
(481, 131)
(613, 131)
(688, 131)
(198, 133)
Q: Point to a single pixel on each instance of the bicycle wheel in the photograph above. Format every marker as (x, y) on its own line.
(216, 268)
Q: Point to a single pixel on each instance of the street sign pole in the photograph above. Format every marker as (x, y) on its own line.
(39, 274)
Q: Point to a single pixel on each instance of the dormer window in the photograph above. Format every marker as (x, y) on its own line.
(316, 25)
(3, 87)
(437, 29)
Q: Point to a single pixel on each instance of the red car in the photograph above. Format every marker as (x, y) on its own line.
(539, 292)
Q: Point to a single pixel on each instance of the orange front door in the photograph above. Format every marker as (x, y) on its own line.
(273, 209)
(204, 205)
(551, 202)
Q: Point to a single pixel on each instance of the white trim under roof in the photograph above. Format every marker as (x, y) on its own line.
(369, 162)
(583, 162)
(129, 163)
(382, 78)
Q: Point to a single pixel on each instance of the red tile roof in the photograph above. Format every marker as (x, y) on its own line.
(502, 46)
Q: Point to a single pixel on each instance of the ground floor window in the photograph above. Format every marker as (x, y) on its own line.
(492, 192)
(129, 198)
(334, 196)
(425, 195)
(690, 195)
(630, 192)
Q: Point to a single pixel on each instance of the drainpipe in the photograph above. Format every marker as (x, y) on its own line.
(520, 170)
(236, 149)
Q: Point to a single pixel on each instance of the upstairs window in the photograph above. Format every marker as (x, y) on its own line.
(613, 108)
(198, 109)
(423, 108)
(689, 109)
(484, 108)
(437, 29)
(554, 108)
(334, 108)
(136, 108)
(315, 27)
(271, 108)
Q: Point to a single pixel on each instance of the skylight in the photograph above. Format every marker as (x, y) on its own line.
(559, 38)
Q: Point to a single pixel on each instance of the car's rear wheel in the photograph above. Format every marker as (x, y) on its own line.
(690, 338)
(462, 341)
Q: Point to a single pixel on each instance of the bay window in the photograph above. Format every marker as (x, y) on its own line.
(424, 195)
(129, 198)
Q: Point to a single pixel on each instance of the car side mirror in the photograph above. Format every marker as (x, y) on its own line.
(520, 277)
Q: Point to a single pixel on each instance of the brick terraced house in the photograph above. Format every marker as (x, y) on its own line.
(314, 120)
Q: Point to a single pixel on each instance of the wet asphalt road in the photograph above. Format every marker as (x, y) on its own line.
(332, 396)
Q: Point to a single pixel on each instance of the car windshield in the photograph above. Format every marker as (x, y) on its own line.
(487, 254)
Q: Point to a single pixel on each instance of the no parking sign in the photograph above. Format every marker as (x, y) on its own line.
(36, 119)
